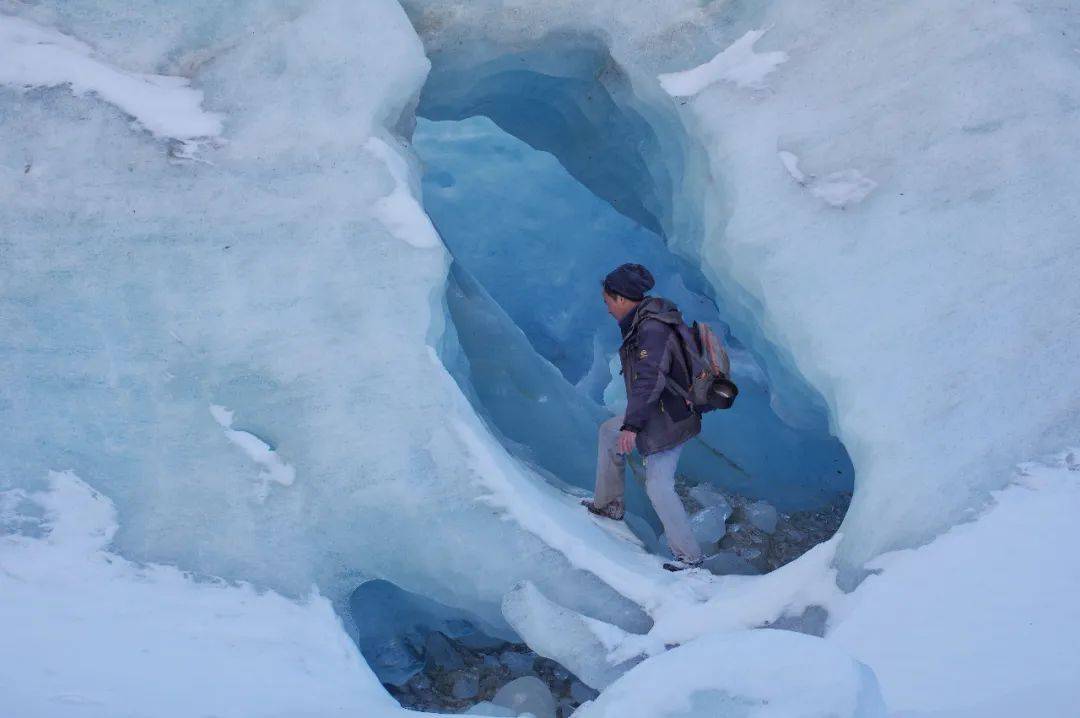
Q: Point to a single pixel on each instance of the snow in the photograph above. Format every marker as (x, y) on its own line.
(737, 64)
(273, 468)
(837, 189)
(757, 674)
(88, 633)
(167, 106)
(983, 621)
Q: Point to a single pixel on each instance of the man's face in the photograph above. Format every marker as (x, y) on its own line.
(616, 306)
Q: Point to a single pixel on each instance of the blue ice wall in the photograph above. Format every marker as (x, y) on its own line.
(531, 244)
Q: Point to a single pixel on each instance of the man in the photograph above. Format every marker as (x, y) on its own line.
(657, 421)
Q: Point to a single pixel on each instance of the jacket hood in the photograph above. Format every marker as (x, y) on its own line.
(658, 308)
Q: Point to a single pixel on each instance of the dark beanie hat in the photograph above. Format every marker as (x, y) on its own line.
(629, 280)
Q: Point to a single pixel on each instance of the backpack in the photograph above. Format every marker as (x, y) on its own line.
(710, 386)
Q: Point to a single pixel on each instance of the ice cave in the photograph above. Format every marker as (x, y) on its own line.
(302, 357)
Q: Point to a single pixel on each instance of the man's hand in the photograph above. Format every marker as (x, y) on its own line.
(627, 441)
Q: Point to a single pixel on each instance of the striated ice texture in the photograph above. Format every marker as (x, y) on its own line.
(540, 258)
(896, 237)
(224, 307)
(287, 273)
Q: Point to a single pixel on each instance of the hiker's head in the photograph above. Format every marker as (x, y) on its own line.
(625, 287)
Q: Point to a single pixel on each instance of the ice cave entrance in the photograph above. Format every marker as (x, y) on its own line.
(542, 170)
(529, 340)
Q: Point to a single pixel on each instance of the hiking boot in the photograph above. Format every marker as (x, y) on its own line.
(681, 564)
(614, 510)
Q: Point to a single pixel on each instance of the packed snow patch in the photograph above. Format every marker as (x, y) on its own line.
(36, 56)
(837, 189)
(273, 468)
(737, 64)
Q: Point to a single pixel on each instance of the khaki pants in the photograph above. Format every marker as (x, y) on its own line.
(659, 485)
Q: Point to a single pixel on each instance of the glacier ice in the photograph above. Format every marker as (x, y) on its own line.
(527, 694)
(884, 220)
(709, 528)
(575, 641)
(762, 515)
(537, 263)
(854, 293)
(164, 286)
(487, 708)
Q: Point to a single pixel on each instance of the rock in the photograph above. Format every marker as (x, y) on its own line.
(527, 695)
(423, 690)
(580, 692)
(518, 663)
(727, 563)
(762, 516)
(566, 708)
(440, 653)
(466, 685)
(486, 708)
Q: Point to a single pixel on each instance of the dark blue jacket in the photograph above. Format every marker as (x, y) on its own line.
(651, 356)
